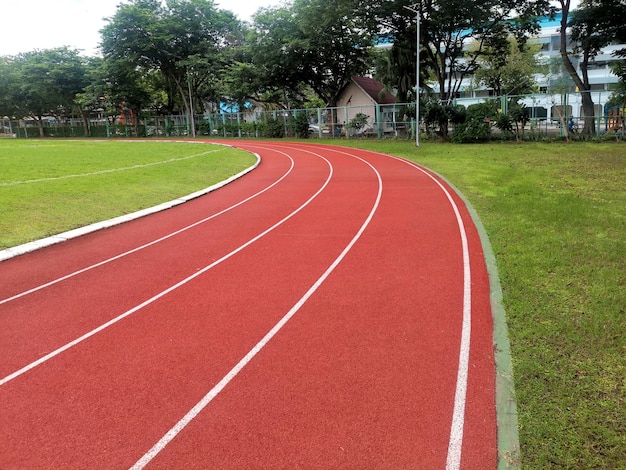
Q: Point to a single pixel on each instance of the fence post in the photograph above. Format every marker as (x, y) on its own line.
(319, 123)
(599, 122)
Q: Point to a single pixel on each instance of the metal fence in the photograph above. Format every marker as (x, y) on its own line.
(546, 113)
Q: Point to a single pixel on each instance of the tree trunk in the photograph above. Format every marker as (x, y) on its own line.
(583, 86)
(85, 123)
(40, 125)
(589, 112)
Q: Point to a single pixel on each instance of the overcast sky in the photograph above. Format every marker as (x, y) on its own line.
(26, 25)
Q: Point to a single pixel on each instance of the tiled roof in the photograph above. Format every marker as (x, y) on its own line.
(374, 88)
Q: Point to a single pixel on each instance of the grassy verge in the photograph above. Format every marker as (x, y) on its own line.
(47, 187)
(556, 218)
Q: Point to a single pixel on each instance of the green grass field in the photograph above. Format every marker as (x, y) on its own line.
(555, 214)
(556, 218)
(47, 187)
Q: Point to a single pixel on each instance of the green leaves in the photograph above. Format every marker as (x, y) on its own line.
(42, 83)
(186, 41)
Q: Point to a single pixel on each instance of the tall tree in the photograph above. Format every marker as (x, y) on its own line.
(396, 28)
(595, 25)
(274, 71)
(44, 83)
(509, 68)
(448, 26)
(337, 45)
(183, 40)
(316, 43)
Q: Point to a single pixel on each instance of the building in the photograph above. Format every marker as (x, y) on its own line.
(363, 100)
(557, 94)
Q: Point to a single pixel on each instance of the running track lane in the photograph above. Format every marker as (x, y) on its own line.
(362, 253)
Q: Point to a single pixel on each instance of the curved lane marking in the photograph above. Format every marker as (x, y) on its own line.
(191, 414)
(110, 170)
(18, 250)
(172, 288)
(455, 442)
(154, 242)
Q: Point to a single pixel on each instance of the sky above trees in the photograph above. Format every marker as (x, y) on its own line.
(45, 24)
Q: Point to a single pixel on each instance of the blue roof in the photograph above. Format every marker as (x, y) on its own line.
(546, 22)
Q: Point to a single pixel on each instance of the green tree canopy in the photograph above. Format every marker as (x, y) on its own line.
(316, 43)
(42, 83)
(508, 68)
(448, 26)
(184, 40)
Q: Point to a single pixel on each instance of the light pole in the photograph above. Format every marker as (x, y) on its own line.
(413, 8)
(191, 121)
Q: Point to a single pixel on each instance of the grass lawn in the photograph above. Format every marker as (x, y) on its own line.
(50, 186)
(556, 218)
(555, 214)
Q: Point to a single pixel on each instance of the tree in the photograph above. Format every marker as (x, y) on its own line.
(184, 40)
(8, 87)
(316, 43)
(508, 68)
(396, 65)
(337, 46)
(448, 26)
(272, 70)
(596, 24)
(43, 83)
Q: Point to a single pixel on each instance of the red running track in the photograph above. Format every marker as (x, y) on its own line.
(328, 310)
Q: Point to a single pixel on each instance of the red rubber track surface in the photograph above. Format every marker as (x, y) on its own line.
(363, 252)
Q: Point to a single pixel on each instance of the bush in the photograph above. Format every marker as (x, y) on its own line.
(476, 127)
(437, 117)
(301, 122)
(272, 128)
(358, 122)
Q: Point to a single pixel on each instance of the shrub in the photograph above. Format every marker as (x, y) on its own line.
(272, 128)
(477, 124)
(301, 122)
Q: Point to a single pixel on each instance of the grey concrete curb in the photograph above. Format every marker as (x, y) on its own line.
(61, 237)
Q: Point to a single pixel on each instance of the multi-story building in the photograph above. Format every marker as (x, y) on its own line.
(557, 93)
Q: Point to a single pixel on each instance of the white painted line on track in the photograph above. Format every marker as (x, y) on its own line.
(110, 170)
(154, 242)
(178, 427)
(163, 293)
(455, 442)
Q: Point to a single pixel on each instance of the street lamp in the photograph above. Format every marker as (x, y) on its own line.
(417, 73)
(191, 121)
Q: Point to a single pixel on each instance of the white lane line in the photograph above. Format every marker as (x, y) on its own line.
(154, 242)
(111, 170)
(191, 414)
(455, 442)
(163, 293)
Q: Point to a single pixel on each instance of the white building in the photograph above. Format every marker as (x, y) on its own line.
(557, 89)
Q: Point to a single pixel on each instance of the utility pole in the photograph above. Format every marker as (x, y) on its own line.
(191, 120)
(414, 9)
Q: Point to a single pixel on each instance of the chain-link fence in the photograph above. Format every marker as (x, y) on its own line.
(546, 113)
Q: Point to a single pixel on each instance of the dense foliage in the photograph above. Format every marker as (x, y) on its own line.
(184, 56)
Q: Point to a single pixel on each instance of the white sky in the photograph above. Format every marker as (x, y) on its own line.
(26, 25)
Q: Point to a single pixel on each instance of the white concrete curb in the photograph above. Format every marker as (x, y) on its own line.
(78, 232)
